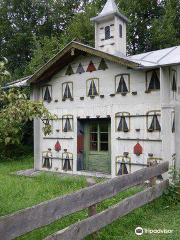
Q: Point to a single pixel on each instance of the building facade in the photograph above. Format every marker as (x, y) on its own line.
(116, 113)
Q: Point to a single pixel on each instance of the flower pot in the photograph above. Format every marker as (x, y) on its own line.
(123, 94)
(112, 95)
(81, 98)
(137, 129)
(101, 96)
(150, 154)
(134, 93)
(147, 91)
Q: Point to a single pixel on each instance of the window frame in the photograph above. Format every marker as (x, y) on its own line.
(120, 30)
(67, 116)
(87, 90)
(171, 80)
(118, 162)
(152, 90)
(155, 112)
(122, 74)
(63, 89)
(44, 86)
(50, 159)
(128, 116)
(71, 159)
(109, 36)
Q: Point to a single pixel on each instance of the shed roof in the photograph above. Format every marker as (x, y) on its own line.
(158, 58)
(70, 53)
(109, 10)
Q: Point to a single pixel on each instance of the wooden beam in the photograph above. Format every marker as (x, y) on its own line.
(24, 221)
(88, 226)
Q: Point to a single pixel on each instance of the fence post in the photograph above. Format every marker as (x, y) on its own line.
(152, 181)
(92, 210)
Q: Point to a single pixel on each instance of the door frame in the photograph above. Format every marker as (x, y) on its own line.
(87, 142)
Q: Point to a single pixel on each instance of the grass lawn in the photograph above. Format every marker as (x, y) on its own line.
(17, 193)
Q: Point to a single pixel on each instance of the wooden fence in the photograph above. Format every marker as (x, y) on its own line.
(24, 221)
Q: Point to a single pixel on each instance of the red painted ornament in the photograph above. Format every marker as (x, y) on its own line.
(138, 150)
(57, 146)
(91, 67)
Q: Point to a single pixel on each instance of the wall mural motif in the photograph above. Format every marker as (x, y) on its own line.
(47, 93)
(138, 150)
(123, 165)
(69, 71)
(102, 65)
(80, 69)
(57, 147)
(173, 121)
(91, 67)
(67, 161)
(47, 159)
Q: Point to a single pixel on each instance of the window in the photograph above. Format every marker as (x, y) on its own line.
(174, 81)
(123, 165)
(47, 159)
(93, 87)
(153, 121)
(155, 161)
(152, 80)
(47, 93)
(67, 90)
(67, 123)
(120, 30)
(99, 137)
(47, 126)
(107, 32)
(122, 122)
(67, 161)
(173, 121)
(122, 83)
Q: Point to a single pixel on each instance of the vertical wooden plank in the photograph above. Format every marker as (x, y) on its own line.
(152, 181)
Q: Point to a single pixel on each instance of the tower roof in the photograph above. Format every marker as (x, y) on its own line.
(109, 10)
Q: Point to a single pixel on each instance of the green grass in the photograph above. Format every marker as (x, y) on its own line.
(17, 193)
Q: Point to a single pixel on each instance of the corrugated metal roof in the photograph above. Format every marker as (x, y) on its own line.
(110, 9)
(158, 58)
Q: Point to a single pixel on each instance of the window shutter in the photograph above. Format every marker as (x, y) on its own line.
(107, 32)
(120, 30)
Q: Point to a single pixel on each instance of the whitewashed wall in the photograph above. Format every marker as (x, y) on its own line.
(138, 104)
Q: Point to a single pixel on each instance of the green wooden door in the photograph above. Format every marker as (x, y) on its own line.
(97, 149)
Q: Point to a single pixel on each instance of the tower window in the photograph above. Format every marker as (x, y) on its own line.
(107, 32)
(120, 30)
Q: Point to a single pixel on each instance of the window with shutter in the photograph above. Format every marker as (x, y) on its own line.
(120, 30)
(107, 32)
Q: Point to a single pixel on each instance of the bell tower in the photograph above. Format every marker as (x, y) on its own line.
(110, 30)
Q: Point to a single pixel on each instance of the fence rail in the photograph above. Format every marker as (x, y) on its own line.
(24, 221)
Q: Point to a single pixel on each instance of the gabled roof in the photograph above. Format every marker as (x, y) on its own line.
(18, 83)
(70, 53)
(109, 10)
(158, 58)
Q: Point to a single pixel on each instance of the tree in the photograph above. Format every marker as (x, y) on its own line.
(16, 110)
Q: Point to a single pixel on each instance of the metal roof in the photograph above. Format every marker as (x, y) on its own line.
(110, 9)
(158, 58)
(18, 83)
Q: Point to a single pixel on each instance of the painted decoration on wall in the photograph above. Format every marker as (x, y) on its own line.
(174, 81)
(67, 161)
(57, 146)
(69, 71)
(47, 159)
(91, 67)
(67, 90)
(155, 161)
(153, 121)
(138, 150)
(80, 69)
(67, 123)
(102, 65)
(123, 165)
(122, 122)
(122, 83)
(92, 87)
(47, 93)
(152, 80)
(173, 121)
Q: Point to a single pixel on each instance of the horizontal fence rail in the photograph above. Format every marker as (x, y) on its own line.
(24, 221)
(90, 225)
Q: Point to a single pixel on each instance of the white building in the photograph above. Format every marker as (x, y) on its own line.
(116, 114)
